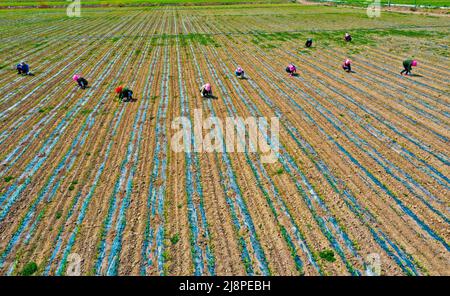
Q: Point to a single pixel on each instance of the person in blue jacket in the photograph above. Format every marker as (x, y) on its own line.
(23, 68)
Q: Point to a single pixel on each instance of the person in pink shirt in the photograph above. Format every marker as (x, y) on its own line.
(291, 69)
(206, 90)
(82, 83)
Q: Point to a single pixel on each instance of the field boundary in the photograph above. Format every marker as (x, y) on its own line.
(393, 7)
(118, 5)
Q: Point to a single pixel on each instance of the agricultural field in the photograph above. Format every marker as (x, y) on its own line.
(361, 173)
(36, 3)
(418, 3)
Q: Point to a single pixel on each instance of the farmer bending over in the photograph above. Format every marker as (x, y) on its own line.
(125, 94)
(206, 91)
(23, 68)
(347, 37)
(407, 65)
(239, 72)
(82, 83)
(291, 69)
(347, 65)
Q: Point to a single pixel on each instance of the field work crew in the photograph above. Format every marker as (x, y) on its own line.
(125, 94)
(407, 65)
(291, 69)
(23, 68)
(239, 72)
(308, 42)
(347, 37)
(347, 65)
(206, 90)
(82, 83)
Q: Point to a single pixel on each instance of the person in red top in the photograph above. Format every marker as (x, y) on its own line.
(125, 94)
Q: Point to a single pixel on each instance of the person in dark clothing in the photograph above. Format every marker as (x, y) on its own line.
(291, 69)
(82, 83)
(407, 66)
(309, 42)
(23, 68)
(125, 94)
(347, 37)
(206, 90)
(239, 73)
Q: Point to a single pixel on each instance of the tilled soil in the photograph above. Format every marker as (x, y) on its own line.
(362, 166)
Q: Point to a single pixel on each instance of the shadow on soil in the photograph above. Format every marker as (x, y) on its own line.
(211, 97)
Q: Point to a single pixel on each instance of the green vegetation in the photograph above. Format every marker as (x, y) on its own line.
(29, 269)
(86, 111)
(46, 109)
(279, 171)
(8, 178)
(327, 255)
(130, 2)
(437, 3)
(58, 215)
(174, 239)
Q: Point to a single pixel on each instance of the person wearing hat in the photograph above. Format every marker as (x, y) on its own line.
(291, 69)
(239, 72)
(347, 37)
(347, 65)
(82, 83)
(206, 90)
(125, 94)
(407, 66)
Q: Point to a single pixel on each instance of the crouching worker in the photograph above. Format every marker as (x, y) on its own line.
(125, 94)
(291, 69)
(347, 65)
(239, 73)
(407, 66)
(347, 37)
(23, 69)
(308, 42)
(206, 90)
(82, 83)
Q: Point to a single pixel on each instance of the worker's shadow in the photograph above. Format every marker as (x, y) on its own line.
(415, 75)
(211, 97)
(130, 101)
(294, 74)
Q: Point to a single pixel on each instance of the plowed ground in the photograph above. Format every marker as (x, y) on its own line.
(362, 171)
